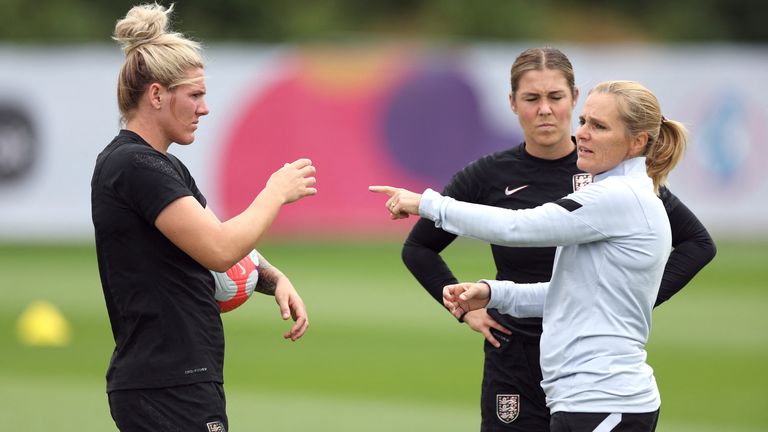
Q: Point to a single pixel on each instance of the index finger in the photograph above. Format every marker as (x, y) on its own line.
(450, 292)
(388, 190)
(499, 327)
(301, 163)
(297, 329)
(489, 337)
(282, 303)
(447, 294)
(307, 170)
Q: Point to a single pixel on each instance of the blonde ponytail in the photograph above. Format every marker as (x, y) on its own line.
(664, 152)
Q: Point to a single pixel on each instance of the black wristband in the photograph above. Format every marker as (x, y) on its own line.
(461, 318)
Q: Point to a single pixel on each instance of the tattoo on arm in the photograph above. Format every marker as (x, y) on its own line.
(268, 277)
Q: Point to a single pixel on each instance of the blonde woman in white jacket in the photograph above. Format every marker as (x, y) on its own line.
(613, 240)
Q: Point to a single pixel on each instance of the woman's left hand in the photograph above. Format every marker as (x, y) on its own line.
(291, 306)
(465, 297)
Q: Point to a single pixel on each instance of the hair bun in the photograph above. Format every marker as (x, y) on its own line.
(141, 25)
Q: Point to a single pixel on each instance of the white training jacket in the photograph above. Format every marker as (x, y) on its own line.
(613, 240)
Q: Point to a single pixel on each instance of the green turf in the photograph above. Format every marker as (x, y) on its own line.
(380, 355)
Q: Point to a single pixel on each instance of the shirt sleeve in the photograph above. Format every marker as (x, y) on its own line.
(693, 247)
(149, 183)
(189, 180)
(571, 220)
(518, 300)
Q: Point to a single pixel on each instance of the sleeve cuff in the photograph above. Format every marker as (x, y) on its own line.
(495, 300)
(429, 207)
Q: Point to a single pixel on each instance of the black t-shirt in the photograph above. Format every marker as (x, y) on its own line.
(514, 179)
(165, 319)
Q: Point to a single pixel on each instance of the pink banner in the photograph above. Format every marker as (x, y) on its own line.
(364, 118)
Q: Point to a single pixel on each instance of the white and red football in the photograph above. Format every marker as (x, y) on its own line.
(236, 285)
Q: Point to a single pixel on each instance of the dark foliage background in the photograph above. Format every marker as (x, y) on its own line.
(271, 21)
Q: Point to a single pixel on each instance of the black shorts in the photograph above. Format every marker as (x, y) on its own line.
(512, 398)
(190, 408)
(604, 422)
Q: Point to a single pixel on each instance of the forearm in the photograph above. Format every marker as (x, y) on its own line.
(243, 232)
(546, 225)
(683, 264)
(214, 244)
(421, 255)
(269, 276)
(693, 248)
(417, 260)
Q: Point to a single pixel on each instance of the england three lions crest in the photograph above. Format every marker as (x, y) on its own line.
(216, 426)
(581, 180)
(507, 407)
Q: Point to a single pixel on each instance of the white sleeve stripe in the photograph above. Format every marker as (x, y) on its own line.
(609, 423)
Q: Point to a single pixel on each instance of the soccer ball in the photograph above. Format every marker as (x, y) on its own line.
(236, 285)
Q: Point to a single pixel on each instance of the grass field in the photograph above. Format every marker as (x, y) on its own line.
(380, 355)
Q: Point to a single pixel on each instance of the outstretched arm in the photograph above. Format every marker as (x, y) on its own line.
(552, 224)
(219, 245)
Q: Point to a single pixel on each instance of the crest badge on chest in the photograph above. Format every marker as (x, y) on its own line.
(581, 180)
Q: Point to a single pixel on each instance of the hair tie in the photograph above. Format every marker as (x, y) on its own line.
(663, 119)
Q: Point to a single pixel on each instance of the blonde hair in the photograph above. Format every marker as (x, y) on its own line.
(152, 54)
(640, 111)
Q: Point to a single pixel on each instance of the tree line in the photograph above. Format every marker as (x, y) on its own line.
(296, 21)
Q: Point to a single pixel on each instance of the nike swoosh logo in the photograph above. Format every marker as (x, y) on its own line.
(509, 191)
